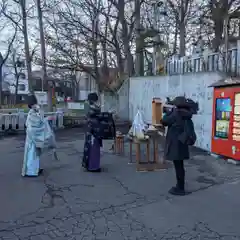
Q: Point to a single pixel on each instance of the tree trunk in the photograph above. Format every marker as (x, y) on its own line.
(95, 30)
(1, 79)
(182, 27)
(182, 39)
(26, 44)
(125, 37)
(16, 90)
(139, 47)
(175, 39)
(104, 52)
(43, 53)
(218, 32)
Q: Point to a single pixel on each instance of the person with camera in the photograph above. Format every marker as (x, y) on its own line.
(180, 135)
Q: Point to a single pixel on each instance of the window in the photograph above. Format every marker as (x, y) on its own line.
(67, 84)
(21, 87)
(223, 109)
(22, 76)
(22, 98)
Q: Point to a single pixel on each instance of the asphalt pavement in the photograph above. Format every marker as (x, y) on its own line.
(118, 203)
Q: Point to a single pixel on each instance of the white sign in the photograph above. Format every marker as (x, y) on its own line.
(41, 98)
(75, 106)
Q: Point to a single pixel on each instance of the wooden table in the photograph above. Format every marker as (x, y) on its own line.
(149, 164)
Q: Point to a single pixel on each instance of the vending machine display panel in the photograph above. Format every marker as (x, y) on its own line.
(223, 109)
(236, 118)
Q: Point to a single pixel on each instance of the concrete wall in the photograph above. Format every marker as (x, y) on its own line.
(123, 100)
(87, 84)
(118, 101)
(193, 85)
(109, 101)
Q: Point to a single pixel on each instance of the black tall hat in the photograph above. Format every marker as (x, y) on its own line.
(180, 101)
(31, 100)
(92, 97)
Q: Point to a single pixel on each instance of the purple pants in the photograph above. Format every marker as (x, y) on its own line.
(94, 156)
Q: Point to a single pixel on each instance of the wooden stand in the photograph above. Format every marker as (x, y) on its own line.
(138, 150)
(156, 111)
(119, 145)
(149, 164)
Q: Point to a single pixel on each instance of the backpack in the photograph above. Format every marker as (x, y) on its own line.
(188, 136)
(107, 129)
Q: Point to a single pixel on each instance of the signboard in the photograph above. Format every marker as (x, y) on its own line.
(42, 97)
(76, 105)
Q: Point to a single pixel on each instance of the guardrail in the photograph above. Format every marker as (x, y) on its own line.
(16, 121)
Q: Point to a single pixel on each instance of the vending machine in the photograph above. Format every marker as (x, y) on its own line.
(226, 122)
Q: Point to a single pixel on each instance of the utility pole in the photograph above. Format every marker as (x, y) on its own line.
(43, 55)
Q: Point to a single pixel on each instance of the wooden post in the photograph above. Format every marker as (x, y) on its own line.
(138, 153)
(119, 144)
(148, 152)
(130, 146)
(156, 111)
(155, 146)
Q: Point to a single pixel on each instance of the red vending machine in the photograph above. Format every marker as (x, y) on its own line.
(226, 119)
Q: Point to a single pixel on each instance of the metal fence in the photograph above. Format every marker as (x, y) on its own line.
(208, 62)
(16, 121)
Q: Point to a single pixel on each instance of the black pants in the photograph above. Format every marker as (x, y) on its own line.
(180, 173)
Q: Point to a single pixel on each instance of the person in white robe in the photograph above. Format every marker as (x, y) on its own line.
(37, 132)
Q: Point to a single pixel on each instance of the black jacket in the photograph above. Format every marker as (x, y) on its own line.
(174, 149)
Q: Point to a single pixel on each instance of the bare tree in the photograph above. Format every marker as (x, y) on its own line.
(17, 64)
(181, 12)
(111, 35)
(18, 69)
(43, 55)
(19, 19)
(75, 43)
(3, 59)
(214, 16)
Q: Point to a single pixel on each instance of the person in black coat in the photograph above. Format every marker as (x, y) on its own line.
(175, 150)
(93, 140)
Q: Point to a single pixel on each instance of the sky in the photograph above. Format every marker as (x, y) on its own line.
(7, 28)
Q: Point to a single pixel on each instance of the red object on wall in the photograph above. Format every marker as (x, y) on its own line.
(226, 122)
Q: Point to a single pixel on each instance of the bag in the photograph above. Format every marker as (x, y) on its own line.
(138, 126)
(49, 136)
(188, 136)
(107, 129)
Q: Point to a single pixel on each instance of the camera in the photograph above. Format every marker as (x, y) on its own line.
(193, 106)
(188, 103)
